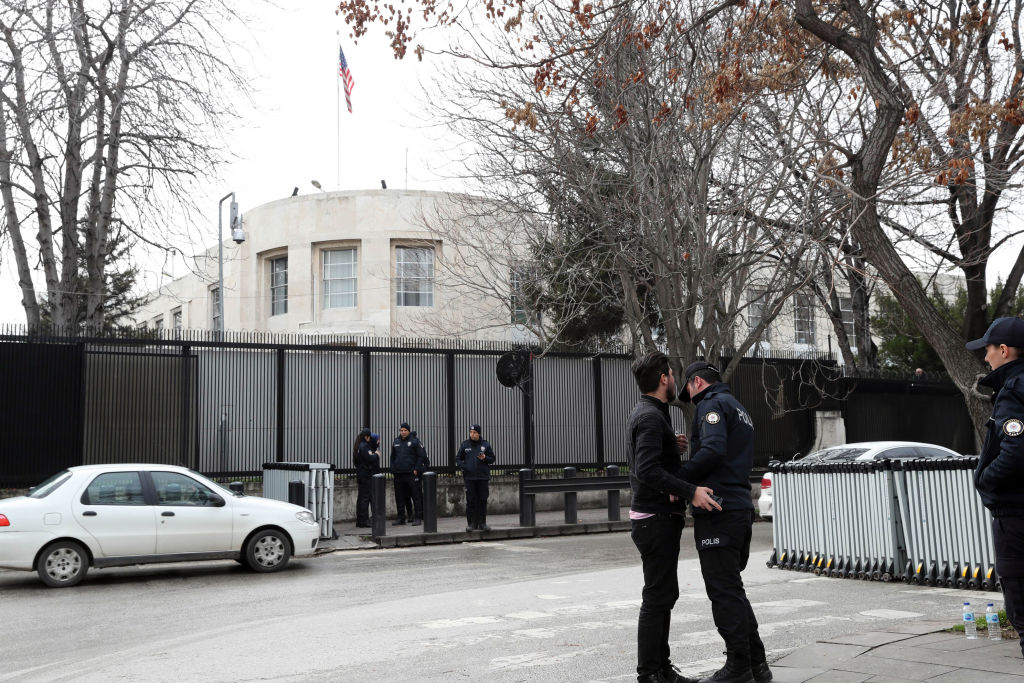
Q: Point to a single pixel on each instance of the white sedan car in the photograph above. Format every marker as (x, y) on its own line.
(118, 515)
(858, 452)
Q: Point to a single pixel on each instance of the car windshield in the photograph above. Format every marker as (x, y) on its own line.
(50, 485)
(836, 455)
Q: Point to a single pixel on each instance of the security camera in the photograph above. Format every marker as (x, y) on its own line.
(237, 234)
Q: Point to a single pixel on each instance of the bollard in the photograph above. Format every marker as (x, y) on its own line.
(527, 503)
(571, 514)
(379, 505)
(297, 493)
(430, 502)
(613, 495)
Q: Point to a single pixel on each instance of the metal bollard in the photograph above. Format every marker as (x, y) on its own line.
(430, 502)
(571, 514)
(379, 504)
(527, 503)
(297, 493)
(613, 496)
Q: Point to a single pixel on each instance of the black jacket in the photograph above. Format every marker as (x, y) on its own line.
(655, 468)
(722, 448)
(999, 476)
(367, 461)
(472, 467)
(408, 455)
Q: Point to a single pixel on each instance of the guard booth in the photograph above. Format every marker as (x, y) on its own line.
(309, 484)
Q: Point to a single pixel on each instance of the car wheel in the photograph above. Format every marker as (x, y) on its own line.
(268, 551)
(62, 564)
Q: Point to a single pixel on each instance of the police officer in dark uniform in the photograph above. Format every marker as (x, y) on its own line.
(407, 457)
(475, 458)
(999, 477)
(722, 455)
(367, 464)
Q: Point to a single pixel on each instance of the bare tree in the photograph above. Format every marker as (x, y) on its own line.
(108, 112)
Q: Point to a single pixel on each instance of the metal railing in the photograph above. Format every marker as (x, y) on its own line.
(919, 521)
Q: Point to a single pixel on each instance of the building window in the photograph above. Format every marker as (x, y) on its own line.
(414, 275)
(803, 319)
(757, 302)
(340, 278)
(522, 312)
(215, 308)
(158, 323)
(846, 311)
(279, 285)
(176, 319)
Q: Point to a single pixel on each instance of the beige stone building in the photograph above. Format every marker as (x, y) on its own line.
(354, 262)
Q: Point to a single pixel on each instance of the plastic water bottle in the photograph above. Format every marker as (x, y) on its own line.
(995, 632)
(970, 628)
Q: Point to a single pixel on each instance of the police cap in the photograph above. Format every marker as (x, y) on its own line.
(1009, 331)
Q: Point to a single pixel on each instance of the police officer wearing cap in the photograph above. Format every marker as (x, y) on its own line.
(999, 477)
(657, 512)
(475, 458)
(721, 457)
(407, 461)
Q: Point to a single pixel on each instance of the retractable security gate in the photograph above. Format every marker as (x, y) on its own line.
(317, 479)
(918, 521)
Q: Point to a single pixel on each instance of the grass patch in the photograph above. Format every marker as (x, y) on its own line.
(1004, 625)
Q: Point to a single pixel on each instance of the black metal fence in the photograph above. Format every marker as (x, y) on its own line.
(225, 407)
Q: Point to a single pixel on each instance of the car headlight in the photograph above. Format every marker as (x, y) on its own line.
(306, 516)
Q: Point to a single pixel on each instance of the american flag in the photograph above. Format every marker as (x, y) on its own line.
(346, 77)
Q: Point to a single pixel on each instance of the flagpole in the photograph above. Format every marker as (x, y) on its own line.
(337, 110)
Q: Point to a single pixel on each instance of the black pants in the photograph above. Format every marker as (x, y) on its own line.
(477, 492)
(1008, 534)
(364, 482)
(657, 539)
(406, 489)
(723, 545)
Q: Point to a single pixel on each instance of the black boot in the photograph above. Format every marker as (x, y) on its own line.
(761, 672)
(736, 669)
(481, 522)
(470, 521)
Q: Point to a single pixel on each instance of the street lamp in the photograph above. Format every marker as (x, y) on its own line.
(238, 235)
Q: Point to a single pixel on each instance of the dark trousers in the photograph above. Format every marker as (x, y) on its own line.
(404, 486)
(657, 539)
(723, 545)
(364, 482)
(477, 492)
(1008, 534)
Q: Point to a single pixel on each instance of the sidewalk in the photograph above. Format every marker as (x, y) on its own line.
(453, 530)
(923, 651)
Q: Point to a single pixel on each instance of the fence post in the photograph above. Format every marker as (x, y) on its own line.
(613, 496)
(449, 376)
(598, 412)
(379, 505)
(571, 514)
(280, 405)
(430, 502)
(527, 502)
(367, 387)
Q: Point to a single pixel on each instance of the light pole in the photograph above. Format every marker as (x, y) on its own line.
(238, 235)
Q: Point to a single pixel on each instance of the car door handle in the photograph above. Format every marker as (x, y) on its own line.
(166, 514)
(89, 513)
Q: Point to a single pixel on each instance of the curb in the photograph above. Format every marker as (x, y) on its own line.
(447, 537)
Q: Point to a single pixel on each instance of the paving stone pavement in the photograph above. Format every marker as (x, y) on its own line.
(924, 651)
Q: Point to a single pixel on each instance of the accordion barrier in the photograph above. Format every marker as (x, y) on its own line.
(916, 521)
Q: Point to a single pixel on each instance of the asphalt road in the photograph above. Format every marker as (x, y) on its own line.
(544, 609)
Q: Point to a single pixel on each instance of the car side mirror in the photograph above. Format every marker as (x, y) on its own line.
(215, 501)
(237, 487)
